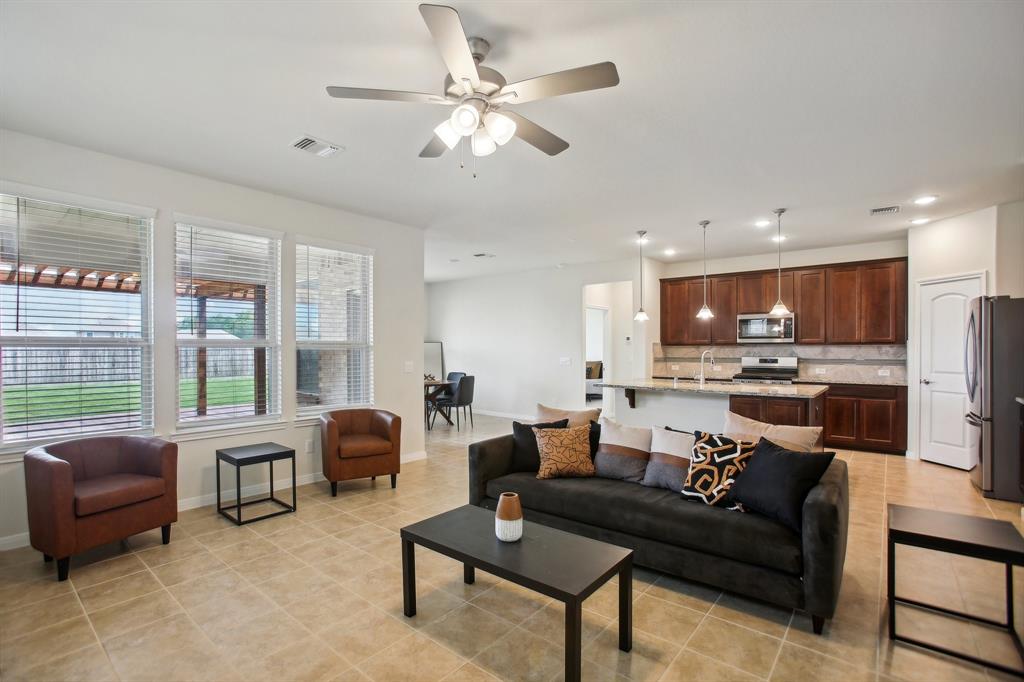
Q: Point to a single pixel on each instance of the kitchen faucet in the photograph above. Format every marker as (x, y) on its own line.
(702, 364)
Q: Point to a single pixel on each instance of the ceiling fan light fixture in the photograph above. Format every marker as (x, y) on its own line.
(447, 134)
(482, 143)
(465, 119)
(500, 127)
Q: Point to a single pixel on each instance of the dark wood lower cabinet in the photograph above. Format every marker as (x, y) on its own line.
(859, 417)
(782, 411)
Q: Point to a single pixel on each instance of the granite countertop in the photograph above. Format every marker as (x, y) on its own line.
(857, 382)
(721, 388)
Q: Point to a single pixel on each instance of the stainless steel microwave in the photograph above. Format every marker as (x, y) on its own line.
(764, 328)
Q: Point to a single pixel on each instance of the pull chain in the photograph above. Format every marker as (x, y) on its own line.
(462, 153)
(474, 166)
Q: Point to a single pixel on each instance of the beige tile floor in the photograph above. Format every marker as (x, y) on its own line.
(317, 596)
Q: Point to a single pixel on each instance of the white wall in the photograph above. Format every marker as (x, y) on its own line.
(512, 332)
(1010, 249)
(595, 334)
(398, 297)
(958, 245)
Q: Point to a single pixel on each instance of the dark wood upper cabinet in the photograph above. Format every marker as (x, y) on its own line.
(771, 282)
(842, 304)
(883, 300)
(673, 301)
(809, 305)
(750, 296)
(699, 331)
(722, 299)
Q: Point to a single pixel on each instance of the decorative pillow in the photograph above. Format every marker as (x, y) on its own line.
(524, 449)
(800, 438)
(716, 463)
(564, 453)
(776, 481)
(575, 417)
(670, 459)
(595, 438)
(622, 452)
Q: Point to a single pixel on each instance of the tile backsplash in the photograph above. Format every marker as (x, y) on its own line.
(855, 364)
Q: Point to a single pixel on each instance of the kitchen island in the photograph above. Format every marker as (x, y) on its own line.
(687, 405)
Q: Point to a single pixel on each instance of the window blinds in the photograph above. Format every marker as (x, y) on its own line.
(226, 286)
(333, 327)
(75, 322)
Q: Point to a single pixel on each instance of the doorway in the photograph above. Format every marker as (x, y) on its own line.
(607, 340)
(945, 437)
(596, 352)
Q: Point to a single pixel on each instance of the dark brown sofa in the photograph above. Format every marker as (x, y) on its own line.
(359, 443)
(90, 491)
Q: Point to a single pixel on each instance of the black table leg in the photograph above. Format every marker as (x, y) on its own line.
(468, 574)
(573, 641)
(295, 505)
(626, 605)
(271, 479)
(217, 462)
(409, 577)
(238, 493)
(892, 588)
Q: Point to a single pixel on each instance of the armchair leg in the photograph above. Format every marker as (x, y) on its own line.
(47, 558)
(334, 488)
(818, 623)
(63, 566)
(394, 480)
(165, 534)
(471, 424)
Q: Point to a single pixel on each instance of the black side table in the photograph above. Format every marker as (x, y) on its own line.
(971, 536)
(245, 456)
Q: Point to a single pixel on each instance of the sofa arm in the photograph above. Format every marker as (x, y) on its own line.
(488, 460)
(153, 457)
(328, 445)
(50, 497)
(826, 513)
(387, 425)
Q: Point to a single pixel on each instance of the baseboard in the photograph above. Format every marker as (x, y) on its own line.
(506, 415)
(13, 541)
(247, 491)
(414, 456)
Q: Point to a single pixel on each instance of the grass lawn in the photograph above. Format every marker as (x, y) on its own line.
(40, 402)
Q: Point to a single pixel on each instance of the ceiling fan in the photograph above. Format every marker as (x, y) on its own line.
(479, 95)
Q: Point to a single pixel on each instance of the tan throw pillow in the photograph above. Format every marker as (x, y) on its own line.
(623, 451)
(564, 453)
(575, 417)
(799, 438)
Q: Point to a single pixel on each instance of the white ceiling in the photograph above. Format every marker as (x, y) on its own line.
(724, 111)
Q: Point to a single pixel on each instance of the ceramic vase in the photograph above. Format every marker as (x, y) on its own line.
(508, 518)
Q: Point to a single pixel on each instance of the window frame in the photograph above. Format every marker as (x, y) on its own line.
(272, 341)
(145, 342)
(306, 412)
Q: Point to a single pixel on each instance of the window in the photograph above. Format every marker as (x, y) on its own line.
(75, 323)
(226, 286)
(333, 328)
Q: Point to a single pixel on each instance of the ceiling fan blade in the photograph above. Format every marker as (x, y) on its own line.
(593, 77)
(392, 95)
(541, 138)
(445, 26)
(435, 148)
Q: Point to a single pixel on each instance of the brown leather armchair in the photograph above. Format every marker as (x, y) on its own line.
(90, 491)
(360, 443)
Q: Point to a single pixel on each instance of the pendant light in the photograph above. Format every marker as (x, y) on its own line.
(779, 308)
(705, 312)
(641, 315)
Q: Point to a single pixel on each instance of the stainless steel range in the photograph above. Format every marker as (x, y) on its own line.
(767, 370)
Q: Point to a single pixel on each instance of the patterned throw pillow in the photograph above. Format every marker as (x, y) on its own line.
(670, 459)
(623, 451)
(564, 453)
(714, 466)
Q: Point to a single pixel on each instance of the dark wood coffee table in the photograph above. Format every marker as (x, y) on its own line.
(557, 564)
(971, 536)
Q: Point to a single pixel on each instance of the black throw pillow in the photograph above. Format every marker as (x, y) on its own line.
(595, 438)
(776, 481)
(525, 456)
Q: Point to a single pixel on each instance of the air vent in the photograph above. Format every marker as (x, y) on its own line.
(883, 210)
(483, 255)
(314, 146)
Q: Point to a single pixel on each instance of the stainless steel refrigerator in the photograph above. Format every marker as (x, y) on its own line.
(994, 371)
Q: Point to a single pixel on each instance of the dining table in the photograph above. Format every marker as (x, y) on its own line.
(433, 389)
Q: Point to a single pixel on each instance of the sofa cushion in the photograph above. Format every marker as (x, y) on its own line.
(575, 417)
(564, 452)
(362, 445)
(623, 451)
(525, 456)
(670, 459)
(94, 495)
(799, 438)
(716, 463)
(658, 514)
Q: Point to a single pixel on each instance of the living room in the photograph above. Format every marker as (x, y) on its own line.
(719, 383)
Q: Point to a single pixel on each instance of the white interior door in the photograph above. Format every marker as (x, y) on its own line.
(945, 437)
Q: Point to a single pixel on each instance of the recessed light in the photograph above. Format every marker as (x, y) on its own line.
(763, 223)
(779, 238)
(453, 260)
(670, 252)
(925, 200)
(919, 221)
